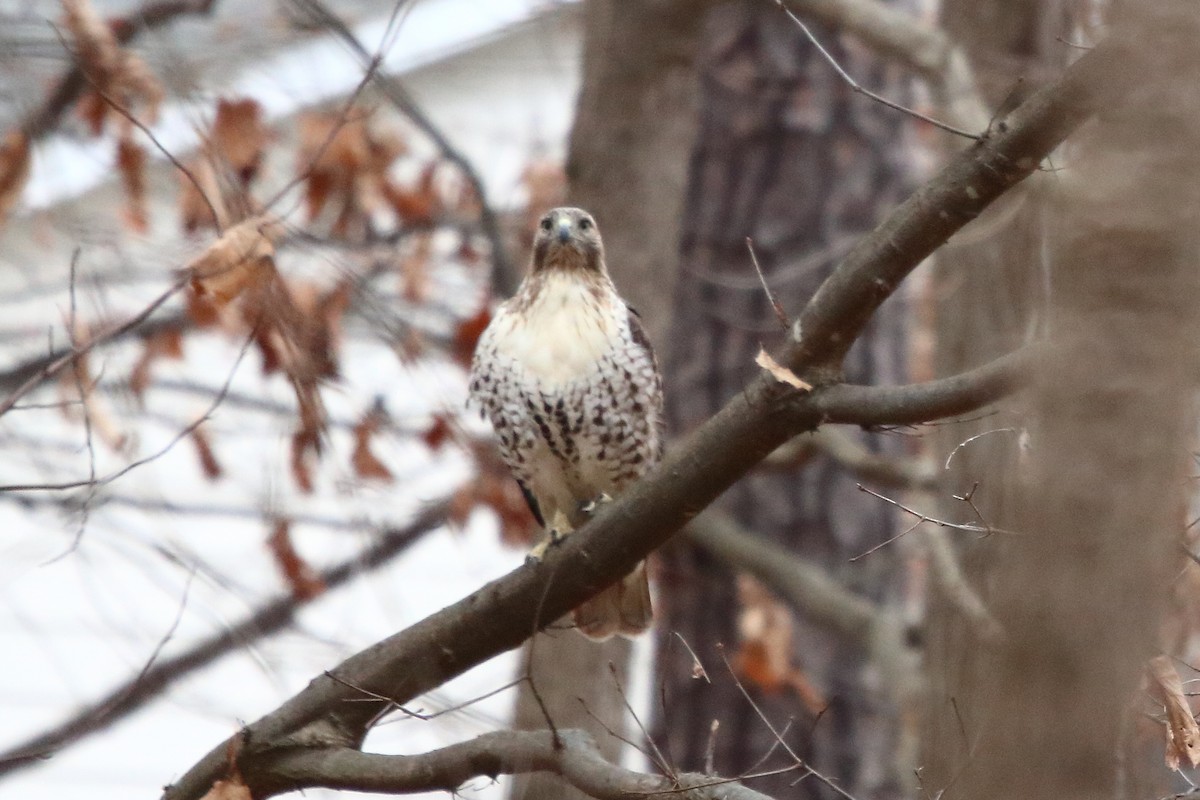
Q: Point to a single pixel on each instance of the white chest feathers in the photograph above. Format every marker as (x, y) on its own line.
(561, 335)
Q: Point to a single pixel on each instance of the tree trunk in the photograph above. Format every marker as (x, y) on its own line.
(787, 156)
(627, 164)
(1099, 261)
(988, 295)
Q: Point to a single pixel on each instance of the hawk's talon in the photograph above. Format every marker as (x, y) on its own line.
(592, 506)
(553, 536)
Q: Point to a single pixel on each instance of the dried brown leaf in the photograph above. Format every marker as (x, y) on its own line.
(114, 74)
(438, 433)
(466, 335)
(302, 579)
(364, 461)
(764, 655)
(239, 137)
(199, 196)
(780, 372)
(165, 343)
(131, 165)
(14, 170)
(1183, 735)
(242, 257)
(208, 459)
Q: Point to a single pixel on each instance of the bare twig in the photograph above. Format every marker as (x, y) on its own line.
(856, 87)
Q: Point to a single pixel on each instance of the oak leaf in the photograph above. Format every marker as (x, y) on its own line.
(239, 137)
(366, 464)
(765, 634)
(204, 451)
(131, 165)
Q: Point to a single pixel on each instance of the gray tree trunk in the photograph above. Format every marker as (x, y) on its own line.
(788, 156)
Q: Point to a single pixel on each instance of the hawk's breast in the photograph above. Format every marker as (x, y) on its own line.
(559, 335)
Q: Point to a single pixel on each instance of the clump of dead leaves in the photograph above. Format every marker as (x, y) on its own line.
(296, 333)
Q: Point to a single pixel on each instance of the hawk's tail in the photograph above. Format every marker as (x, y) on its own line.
(622, 609)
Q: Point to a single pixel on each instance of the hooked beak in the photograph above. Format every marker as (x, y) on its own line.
(564, 230)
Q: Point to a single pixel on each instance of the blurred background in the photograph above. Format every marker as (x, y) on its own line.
(216, 484)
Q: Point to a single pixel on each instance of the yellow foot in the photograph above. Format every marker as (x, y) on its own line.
(592, 506)
(557, 531)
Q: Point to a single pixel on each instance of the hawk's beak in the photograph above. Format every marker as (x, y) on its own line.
(564, 230)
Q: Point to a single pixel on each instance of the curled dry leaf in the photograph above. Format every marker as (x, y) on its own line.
(131, 165)
(1183, 735)
(438, 433)
(208, 459)
(342, 160)
(764, 655)
(780, 372)
(414, 269)
(302, 579)
(14, 170)
(242, 257)
(165, 343)
(239, 137)
(201, 201)
(467, 334)
(366, 464)
(115, 74)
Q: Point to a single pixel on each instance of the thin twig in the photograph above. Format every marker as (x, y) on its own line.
(854, 85)
(780, 314)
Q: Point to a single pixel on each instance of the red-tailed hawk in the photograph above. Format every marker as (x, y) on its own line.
(570, 383)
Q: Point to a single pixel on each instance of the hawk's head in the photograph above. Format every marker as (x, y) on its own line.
(567, 238)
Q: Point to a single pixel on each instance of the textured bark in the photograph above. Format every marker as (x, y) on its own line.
(788, 156)
(1103, 266)
(987, 296)
(627, 164)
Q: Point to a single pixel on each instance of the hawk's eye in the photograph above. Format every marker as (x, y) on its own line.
(585, 224)
(547, 224)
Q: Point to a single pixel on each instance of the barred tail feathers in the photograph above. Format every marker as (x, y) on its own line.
(622, 609)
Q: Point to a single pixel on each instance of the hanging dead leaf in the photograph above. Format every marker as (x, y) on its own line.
(165, 343)
(764, 655)
(204, 451)
(466, 335)
(240, 258)
(239, 137)
(414, 269)
(1183, 735)
(14, 170)
(201, 201)
(302, 579)
(438, 433)
(364, 461)
(115, 75)
(780, 372)
(131, 165)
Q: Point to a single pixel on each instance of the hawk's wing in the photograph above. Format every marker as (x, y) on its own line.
(532, 501)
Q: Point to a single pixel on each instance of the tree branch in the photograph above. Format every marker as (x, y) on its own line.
(899, 35)
(156, 678)
(573, 755)
(757, 420)
(893, 472)
(921, 402)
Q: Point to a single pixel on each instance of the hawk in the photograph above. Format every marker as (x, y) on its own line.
(570, 383)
